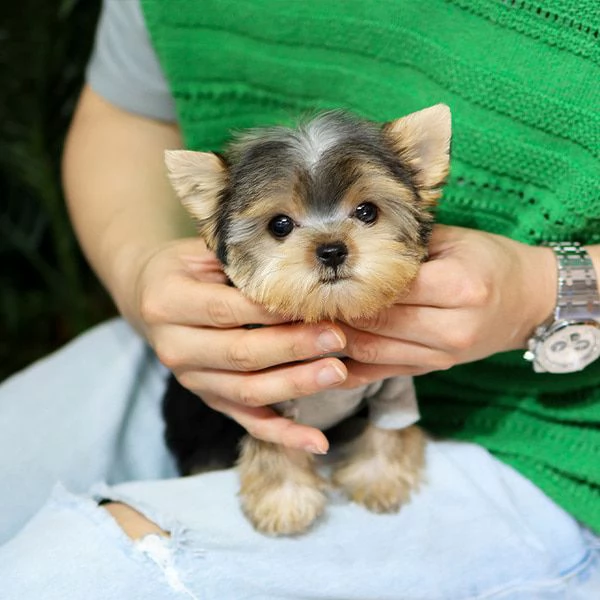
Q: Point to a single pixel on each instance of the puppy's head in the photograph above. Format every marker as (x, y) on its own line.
(330, 220)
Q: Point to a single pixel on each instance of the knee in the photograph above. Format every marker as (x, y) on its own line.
(133, 523)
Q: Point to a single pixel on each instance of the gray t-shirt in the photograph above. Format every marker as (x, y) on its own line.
(124, 68)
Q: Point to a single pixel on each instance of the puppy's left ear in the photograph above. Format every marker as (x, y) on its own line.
(422, 140)
(198, 178)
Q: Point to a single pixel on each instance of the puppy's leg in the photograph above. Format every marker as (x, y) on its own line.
(281, 493)
(383, 468)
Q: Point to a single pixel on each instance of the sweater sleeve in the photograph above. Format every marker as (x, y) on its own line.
(124, 68)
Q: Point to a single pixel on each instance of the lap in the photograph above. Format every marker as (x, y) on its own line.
(476, 530)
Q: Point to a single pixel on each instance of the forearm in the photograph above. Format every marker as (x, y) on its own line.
(121, 203)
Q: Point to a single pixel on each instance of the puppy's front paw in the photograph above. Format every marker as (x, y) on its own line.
(286, 508)
(280, 492)
(384, 468)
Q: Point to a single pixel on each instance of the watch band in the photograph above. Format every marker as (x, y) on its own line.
(578, 297)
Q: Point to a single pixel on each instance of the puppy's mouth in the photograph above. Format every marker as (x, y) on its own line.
(333, 278)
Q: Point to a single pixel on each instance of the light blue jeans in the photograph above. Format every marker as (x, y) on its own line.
(85, 424)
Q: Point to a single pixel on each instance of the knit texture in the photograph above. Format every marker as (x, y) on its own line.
(522, 80)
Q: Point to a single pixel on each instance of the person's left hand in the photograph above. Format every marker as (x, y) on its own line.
(477, 295)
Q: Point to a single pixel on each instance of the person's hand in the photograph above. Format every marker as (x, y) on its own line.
(194, 321)
(478, 294)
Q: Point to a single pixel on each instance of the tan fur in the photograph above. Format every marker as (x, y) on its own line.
(280, 491)
(396, 203)
(280, 201)
(383, 468)
(198, 177)
(374, 181)
(288, 286)
(423, 140)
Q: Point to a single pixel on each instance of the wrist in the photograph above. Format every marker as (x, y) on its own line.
(570, 340)
(122, 273)
(127, 287)
(143, 269)
(122, 253)
(540, 284)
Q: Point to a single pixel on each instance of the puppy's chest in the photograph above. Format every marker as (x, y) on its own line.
(328, 407)
(392, 405)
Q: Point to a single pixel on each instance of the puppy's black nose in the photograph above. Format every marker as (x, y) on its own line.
(333, 254)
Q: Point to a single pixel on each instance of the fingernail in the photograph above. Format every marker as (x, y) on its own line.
(315, 450)
(330, 340)
(330, 375)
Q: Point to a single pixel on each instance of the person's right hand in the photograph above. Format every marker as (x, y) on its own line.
(195, 323)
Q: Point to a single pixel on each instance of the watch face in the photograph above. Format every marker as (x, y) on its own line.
(571, 347)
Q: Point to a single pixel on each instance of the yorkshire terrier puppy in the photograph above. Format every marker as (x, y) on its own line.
(327, 221)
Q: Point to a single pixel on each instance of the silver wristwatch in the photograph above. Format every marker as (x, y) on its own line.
(570, 340)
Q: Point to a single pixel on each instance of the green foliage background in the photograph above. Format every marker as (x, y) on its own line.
(47, 293)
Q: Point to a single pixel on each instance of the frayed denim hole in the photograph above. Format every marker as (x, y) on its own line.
(183, 539)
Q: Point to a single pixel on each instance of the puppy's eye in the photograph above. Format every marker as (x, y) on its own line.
(366, 212)
(281, 226)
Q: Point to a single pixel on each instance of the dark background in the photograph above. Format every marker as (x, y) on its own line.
(47, 292)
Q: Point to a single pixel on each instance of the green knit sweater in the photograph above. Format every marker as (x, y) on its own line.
(523, 82)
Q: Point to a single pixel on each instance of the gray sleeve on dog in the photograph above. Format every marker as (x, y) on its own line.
(124, 68)
(394, 405)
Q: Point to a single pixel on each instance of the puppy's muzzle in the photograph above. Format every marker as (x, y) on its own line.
(333, 254)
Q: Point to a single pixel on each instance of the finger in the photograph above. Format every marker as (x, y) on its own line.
(444, 237)
(375, 349)
(201, 274)
(363, 374)
(269, 386)
(433, 328)
(201, 266)
(265, 424)
(440, 283)
(183, 300)
(242, 349)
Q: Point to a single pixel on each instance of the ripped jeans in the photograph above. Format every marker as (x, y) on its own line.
(91, 414)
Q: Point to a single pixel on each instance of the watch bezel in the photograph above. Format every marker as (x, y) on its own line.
(541, 341)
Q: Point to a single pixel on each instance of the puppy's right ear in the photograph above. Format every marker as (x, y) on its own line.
(198, 178)
(422, 139)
